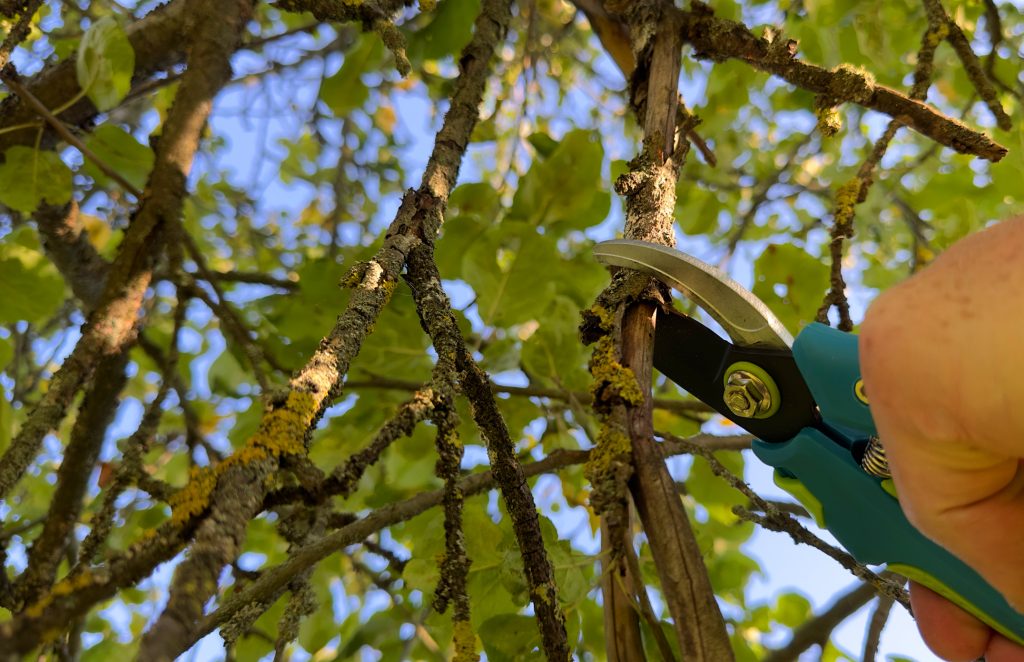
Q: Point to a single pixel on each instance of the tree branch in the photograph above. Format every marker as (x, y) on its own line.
(19, 32)
(720, 39)
(435, 313)
(686, 408)
(112, 325)
(879, 617)
(382, 518)
(157, 42)
(818, 630)
(962, 45)
(228, 497)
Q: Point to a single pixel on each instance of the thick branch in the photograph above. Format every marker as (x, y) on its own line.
(719, 39)
(382, 518)
(623, 641)
(235, 493)
(112, 325)
(76, 467)
(650, 203)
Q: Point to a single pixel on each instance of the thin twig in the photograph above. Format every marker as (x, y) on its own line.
(682, 407)
(818, 630)
(58, 126)
(879, 617)
(776, 520)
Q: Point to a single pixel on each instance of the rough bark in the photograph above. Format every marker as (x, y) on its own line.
(719, 39)
(112, 325)
(235, 492)
(436, 313)
(650, 203)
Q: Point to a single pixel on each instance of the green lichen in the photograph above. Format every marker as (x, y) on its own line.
(609, 468)
(829, 119)
(850, 83)
(613, 445)
(612, 380)
(354, 276)
(465, 642)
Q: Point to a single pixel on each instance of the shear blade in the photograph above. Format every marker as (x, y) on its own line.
(745, 318)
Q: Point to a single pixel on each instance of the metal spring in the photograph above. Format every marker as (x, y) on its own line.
(874, 461)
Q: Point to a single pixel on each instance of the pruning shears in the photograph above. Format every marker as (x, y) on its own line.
(805, 402)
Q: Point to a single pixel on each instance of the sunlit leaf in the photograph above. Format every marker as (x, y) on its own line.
(105, 63)
(31, 177)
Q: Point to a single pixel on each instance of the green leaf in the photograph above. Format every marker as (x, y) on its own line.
(553, 354)
(510, 638)
(543, 143)
(105, 63)
(802, 278)
(564, 191)
(317, 630)
(709, 489)
(227, 373)
(345, 90)
(730, 573)
(511, 276)
(696, 209)
(6, 352)
(792, 609)
(33, 290)
(448, 32)
(122, 152)
(28, 177)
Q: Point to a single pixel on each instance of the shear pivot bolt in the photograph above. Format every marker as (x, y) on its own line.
(746, 394)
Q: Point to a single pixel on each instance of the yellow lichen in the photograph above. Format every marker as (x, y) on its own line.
(611, 378)
(605, 317)
(935, 36)
(194, 498)
(464, 640)
(66, 586)
(846, 200)
(282, 432)
(613, 445)
(354, 276)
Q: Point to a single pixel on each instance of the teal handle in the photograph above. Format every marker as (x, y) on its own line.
(854, 505)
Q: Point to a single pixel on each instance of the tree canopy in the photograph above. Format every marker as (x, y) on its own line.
(302, 342)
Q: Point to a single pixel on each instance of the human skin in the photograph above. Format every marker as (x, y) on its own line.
(942, 358)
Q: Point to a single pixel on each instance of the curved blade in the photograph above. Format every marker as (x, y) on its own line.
(746, 319)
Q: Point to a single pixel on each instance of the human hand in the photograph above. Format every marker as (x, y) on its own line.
(942, 357)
